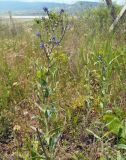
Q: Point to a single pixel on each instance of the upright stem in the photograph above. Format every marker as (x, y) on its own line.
(42, 145)
(110, 5)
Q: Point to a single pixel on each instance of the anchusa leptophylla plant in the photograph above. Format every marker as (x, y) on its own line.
(103, 66)
(51, 32)
(52, 29)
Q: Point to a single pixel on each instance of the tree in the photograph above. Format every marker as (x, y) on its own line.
(112, 9)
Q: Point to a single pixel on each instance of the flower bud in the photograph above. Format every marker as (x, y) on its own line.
(41, 45)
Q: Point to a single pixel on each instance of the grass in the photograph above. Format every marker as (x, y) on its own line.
(89, 99)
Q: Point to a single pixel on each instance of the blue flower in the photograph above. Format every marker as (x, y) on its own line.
(57, 42)
(41, 45)
(61, 11)
(54, 38)
(45, 9)
(38, 34)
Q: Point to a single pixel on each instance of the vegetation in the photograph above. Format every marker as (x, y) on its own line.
(67, 98)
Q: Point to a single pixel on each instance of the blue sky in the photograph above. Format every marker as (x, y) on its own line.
(62, 1)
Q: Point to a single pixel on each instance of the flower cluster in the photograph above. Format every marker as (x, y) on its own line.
(55, 40)
(53, 29)
(45, 9)
(103, 65)
(41, 45)
(61, 11)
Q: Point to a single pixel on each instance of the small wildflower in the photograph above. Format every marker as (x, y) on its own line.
(45, 9)
(41, 45)
(57, 42)
(17, 128)
(100, 58)
(54, 38)
(38, 34)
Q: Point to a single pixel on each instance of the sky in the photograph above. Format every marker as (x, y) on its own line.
(63, 1)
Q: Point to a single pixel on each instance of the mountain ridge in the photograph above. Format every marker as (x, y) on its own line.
(34, 8)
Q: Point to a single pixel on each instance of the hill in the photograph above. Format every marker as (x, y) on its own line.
(35, 8)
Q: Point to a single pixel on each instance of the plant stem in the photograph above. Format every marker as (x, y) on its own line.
(42, 146)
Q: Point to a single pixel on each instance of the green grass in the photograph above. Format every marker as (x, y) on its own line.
(90, 96)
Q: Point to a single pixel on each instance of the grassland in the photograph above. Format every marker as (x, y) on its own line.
(89, 101)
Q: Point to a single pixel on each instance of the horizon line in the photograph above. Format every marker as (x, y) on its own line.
(62, 2)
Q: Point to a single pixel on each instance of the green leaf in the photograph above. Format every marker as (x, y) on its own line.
(43, 82)
(113, 123)
(46, 95)
(115, 58)
(96, 136)
(38, 74)
(33, 155)
(123, 133)
(47, 113)
(102, 158)
(55, 132)
(121, 146)
(119, 157)
(51, 142)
